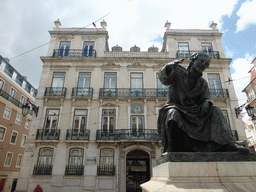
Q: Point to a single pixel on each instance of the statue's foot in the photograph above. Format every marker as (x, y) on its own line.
(236, 147)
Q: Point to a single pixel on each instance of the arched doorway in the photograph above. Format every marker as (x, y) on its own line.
(137, 170)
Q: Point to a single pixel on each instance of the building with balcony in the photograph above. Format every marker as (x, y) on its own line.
(14, 128)
(97, 125)
(250, 91)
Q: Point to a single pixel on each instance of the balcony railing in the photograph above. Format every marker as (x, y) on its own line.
(42, 170)
(187, 54)
(82, 92)
(106, 170)
(74, 170)
(55, 91)
(128, 134)
(126, 92)
(73, 53)
(47, 134)
(219, 93)
(12, 100)
(137, 54)
(75, 134)
(235, 135)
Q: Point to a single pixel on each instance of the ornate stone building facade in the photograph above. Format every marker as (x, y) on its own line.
(14, 128)
(96, 128)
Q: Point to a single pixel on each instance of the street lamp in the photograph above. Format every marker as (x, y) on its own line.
(27, 106)
(250, 111)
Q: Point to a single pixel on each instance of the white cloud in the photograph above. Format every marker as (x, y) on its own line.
(229, 53)
(247, 15)
(241, 76)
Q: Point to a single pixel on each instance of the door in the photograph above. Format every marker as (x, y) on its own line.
(137, 170)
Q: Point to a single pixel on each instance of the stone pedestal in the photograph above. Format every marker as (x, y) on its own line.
(203, 172)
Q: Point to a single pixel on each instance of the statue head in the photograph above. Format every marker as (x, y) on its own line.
(199, 62)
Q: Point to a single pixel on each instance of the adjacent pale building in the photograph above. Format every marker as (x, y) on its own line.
(97, 124)
(14, 128)
(250, 91)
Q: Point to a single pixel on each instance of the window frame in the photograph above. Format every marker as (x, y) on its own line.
(1, 80)
(23, 141)
(65, 49)
(58, 78)
(17, 161)
(5, 129)
(15, 139)
(90, 76)
(86, 53)
(8, 152)
(69, 157)
(104, 83)
(108, 120)
(52, 149)
(9, 112)
(86, 119)
(215, 79)
(142, 82)
(137, 123)
(207, 51)
(20, 118)
(45, 120)
(101, 156)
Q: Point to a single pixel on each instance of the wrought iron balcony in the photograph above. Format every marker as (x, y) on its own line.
(74, 170)
(42, 170)
(12, 100)
(128, 134)
(47, 134)
(76, 134)
(187, 54)
(219, 93)
(82, 92)
(235, 135)
(106, 170)
(55, 91)
(74, 53)
(131, 92)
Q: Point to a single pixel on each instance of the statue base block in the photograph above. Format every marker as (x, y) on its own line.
(200, 172)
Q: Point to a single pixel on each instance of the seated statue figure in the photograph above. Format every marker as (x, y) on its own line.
(188, 121)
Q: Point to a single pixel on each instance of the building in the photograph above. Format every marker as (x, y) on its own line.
(14, 128)
(250, 91)
(96, 128)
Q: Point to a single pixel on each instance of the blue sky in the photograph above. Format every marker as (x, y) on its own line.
(25, 25)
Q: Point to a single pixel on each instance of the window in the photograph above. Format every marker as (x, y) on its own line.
(84, 83)
(225, 113)
(162, 89)
(51, 119)
(251, 94)
(23, 140)
(18, 118)
(106, 162)
(137, 125)
(88, 49)
(136, 84)
(14, 75)
(12, 94)
(45, 156)
(76, 157)
(14, 137)
(8, 159)
(19, 158)
(1, 84)
(110, 81)
(7, 112)
(64, 48)
(2, 133)
(27, 123)
(183, 50)
(215, 84)
(80, 118)
(108, 120)
(22, 101)
(58, 79)
(107, 157)
(207, 47)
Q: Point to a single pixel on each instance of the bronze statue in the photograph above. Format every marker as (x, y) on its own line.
(189, 122)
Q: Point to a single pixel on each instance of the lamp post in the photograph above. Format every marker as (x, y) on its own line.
(27, 106)
(250, 111)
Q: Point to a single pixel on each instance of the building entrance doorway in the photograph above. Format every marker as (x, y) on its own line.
(137, 170)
